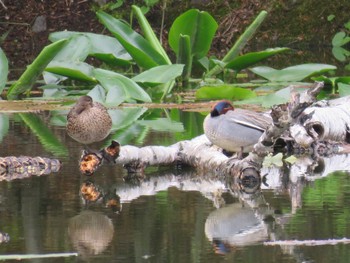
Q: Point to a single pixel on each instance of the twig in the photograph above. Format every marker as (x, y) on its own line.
(3, 5)
(31, 256)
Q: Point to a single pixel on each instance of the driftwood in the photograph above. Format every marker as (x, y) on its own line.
(301, 116)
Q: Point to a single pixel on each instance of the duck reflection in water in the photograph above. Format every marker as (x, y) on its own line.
(88, 121)
(90, 233)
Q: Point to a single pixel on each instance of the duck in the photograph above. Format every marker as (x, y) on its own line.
(234, 130)
(88, 121)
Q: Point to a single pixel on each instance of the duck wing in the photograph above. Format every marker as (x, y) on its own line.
(251, 119)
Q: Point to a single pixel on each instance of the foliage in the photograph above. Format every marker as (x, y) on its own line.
(68, 72)
(339, 41)
(4, 68)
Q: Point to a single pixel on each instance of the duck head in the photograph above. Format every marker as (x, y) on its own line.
(83, 103)
(221, 108)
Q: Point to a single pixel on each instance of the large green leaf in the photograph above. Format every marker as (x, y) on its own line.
(138, 47)
(340, 39)
(112, 81)
(200, 26)
(4, 69)
(149, 34)
(74, 70)
(105, 48)
(252, 58)
(293, 73)
(343, 89)
(33, 71)
(160, 74)
(224, 92)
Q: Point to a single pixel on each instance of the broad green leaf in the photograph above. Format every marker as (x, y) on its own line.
(224, 92)
(45, 135)
(252, 58)
(340, 53)
(77, 49)
(98, 93)
(293, 73)
(343, 89)
(149, 34)
(340, 39)
(4, 69)
(279, 97)
(115, 95)
(138, 47)
(160, 74)
(200, 26)
(74, 70)
(33, 71)
(184, 56)
(132, 90)
(105, 48)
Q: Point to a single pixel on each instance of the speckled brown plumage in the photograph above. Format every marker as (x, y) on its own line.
(88, 121)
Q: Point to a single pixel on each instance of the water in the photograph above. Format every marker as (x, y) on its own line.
(172, 215)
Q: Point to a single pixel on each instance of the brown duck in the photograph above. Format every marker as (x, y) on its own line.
(88, 121)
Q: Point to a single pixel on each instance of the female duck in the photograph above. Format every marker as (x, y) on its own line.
(234, 130)
(88, 121)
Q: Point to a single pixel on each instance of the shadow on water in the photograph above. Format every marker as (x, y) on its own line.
(170, 215)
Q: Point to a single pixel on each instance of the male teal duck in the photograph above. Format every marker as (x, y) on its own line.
(88, 121)
(234, 130)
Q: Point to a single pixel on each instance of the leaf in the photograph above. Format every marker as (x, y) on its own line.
(30, 75)
(75, 70)
(343, 89)
(340, 53)
(275, 160)
(330, 18)
(252, 58)
(184, 56)
(340, 39)
(4, 69)
(98, 93)
(160, 74)
(132, 90)
(149, 34)
(293, 73)
(138, 47)
(105, 48)
(200, 26)
(4, 125)
(224, 92)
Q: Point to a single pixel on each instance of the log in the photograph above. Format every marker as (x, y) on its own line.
(199, 153)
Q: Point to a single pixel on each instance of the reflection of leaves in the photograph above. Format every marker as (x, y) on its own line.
(4, 125)
(122, 118)
(46, 137)
(163, 124)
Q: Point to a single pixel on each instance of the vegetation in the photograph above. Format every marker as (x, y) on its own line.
(146, 72)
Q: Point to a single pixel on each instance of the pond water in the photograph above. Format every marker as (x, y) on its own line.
(172, 215)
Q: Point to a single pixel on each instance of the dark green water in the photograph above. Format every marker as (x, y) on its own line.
(172, 215)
